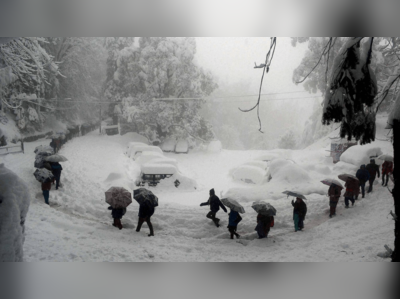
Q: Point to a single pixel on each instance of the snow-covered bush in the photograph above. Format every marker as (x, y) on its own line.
(14, 205)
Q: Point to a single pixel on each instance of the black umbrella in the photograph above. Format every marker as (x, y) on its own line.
(264, 208)
(144, 196)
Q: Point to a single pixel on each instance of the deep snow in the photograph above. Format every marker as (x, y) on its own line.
(77, 227)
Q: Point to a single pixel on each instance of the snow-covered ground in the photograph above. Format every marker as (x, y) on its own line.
(77, 227)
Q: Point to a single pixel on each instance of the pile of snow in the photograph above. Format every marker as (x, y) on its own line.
(168, 145)
(214, 146)
(287, 171)
(250, 174)
(147, 157)
(360, 154)
(14, 205)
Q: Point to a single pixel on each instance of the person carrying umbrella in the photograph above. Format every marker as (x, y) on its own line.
(299, 213)
(117, 214)
(373, 170)
(363, 176)
(56, 169)
(351, 191)
(214, 204)
(334, 193)
(387, 168)
(146, 210)
(234, 219)
(264, 224)
(46, 186)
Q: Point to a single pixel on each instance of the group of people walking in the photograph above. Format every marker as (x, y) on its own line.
(364, 174)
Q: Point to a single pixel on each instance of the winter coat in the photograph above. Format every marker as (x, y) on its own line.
(363, 175)
(117, 213)
(56, 169)
(352, 188)
(145, 211)
(214, 204)
(299, 208)
(46, 186)
(234, 218)
(263, 224)
(334, 192)
(387, 167)
(373, 170)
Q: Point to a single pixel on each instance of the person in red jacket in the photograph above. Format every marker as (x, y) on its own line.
(334, 193)
(387, 168)
(46, 186)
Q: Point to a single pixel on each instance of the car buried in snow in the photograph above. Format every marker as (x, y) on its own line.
(152, 173)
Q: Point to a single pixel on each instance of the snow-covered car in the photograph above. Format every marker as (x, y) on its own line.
(182, 146)
(250, 174)
(147, 157)
(138, 150)
(261, 164)
(132, 145)
(165, 160)
(168, 145)
(153, 173)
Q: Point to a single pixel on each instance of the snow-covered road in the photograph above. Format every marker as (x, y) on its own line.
(77, 227)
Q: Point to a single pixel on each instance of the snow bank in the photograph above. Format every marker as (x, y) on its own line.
(343, 167)
(147, 157)
(135, 137)
(185, 183)
(284, 170)
(214, 146)
(360, 154)
(261, 164)
(250, 174)
(14, 205)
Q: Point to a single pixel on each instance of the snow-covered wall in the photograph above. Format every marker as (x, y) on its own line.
(14, 205)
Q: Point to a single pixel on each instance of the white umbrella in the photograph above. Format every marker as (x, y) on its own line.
(55, 158)
(295, 194)
(345, 176)
(385, 157)
(329, 182)
(233, 204)
(43, 175)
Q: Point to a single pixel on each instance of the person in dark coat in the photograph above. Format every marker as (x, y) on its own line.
(387, 168)
(53, 145)
(264, 224)
(117, 214)
(214, 204)
(56, 169)
(373, 170)
(363, 176)
(145, 213)
(334, 193)
(234, 219)
(46, 186)
(351, 190)
(299, 213)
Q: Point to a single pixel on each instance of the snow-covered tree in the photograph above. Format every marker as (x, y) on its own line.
(288, 141)
(140, 76)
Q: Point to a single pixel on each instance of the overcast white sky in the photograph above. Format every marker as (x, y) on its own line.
(232, 59)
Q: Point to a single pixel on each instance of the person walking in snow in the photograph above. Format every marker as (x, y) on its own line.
(145, 213)
(363, 176)
(234, 219)
(373, 170)
(214, 204)
(387, 168)
(46, 186)
(264, 224)
(351, 190)
(334, 193)
(299, 213)
(56, 169)
(117, 216)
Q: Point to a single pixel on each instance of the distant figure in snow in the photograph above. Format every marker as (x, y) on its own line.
(53, 145)
(145, 212)
(351, 191)
(214, 204)
(234, 219)
(56, 169)
(387, 168)
(117, 216)
(299, 213)
(363, 176)
(46, 186)
(373, 170)
(264, 224)
(334, 193)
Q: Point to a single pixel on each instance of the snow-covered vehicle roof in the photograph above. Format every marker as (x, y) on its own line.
(250, 174)
(138, 150)
(148, 156)
(182, 146)
(262, 164)
(168, 145)
(361, 154)
(165, 160)
(150, 168)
